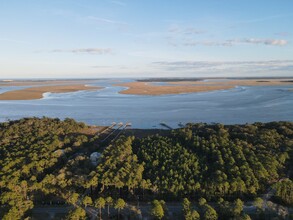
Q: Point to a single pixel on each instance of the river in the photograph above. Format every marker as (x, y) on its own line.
(243, 104)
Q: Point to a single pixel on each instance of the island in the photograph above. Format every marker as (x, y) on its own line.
(38, 91)
(171, 86)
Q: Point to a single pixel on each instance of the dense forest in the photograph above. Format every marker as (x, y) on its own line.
(210, 169)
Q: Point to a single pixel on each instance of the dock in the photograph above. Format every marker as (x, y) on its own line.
(163, 124)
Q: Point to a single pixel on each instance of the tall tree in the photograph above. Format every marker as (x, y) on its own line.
(189, 213)
(209, 213)
(237, 207)
(73, 198)
(100, 203)
(109, 202)
(77, 214)
(157, 210)
(186, 206)
(119, 205)
(87, 201)
(258, 203)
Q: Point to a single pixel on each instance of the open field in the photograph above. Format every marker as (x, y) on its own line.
(37, 92)
(148, 88)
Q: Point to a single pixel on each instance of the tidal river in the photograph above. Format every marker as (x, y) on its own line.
(102, 107)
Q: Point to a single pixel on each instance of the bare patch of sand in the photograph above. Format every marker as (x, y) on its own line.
(148, 88)
(37, 92)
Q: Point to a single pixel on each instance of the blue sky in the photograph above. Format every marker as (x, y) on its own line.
(151, 38)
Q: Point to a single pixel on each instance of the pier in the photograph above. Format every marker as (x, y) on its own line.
(163, 124)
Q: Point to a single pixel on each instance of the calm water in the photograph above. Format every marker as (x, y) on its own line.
(102, 107)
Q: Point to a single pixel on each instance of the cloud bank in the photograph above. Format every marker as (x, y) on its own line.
(220, 66)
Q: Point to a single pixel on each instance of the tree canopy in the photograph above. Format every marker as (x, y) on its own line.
(45, 159)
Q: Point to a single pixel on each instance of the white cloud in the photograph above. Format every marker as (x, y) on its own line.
(225, 66)
(84, 50)
(233, 42)
(274, 42)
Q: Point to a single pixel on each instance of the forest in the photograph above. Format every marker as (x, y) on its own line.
(211, 170)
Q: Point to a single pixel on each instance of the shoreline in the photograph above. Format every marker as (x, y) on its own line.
(148, 88)
(34, 93)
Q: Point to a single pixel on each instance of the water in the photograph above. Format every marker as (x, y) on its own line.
(235, 106)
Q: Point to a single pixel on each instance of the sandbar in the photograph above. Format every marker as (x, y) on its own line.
(239, 82)
(179, 87)
(37, 92)
(142, 88)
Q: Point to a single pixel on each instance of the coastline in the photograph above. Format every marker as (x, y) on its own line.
(148, 88)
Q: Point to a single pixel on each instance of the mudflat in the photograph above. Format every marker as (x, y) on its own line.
(37, 92)
(178, 87)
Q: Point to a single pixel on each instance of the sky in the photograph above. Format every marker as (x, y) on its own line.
(150, 38)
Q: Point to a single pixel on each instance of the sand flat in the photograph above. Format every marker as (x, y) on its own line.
(142, 88)
(37, 92)
(148, 88)
(239, 82)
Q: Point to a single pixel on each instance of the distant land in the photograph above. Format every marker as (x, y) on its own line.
(152, 86)
(178, 79)
(37, 92)
(182, 85)
(36, 88)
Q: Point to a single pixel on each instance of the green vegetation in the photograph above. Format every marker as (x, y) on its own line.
(47, 161)
(189, 213)
(119, 205)
(216, 160)
(76, 214)
(209, 213)
(87, 201)
(157, 210)
(30, 151)
(258, 203)
(284, 192)
(109, 202)
(100, 203)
